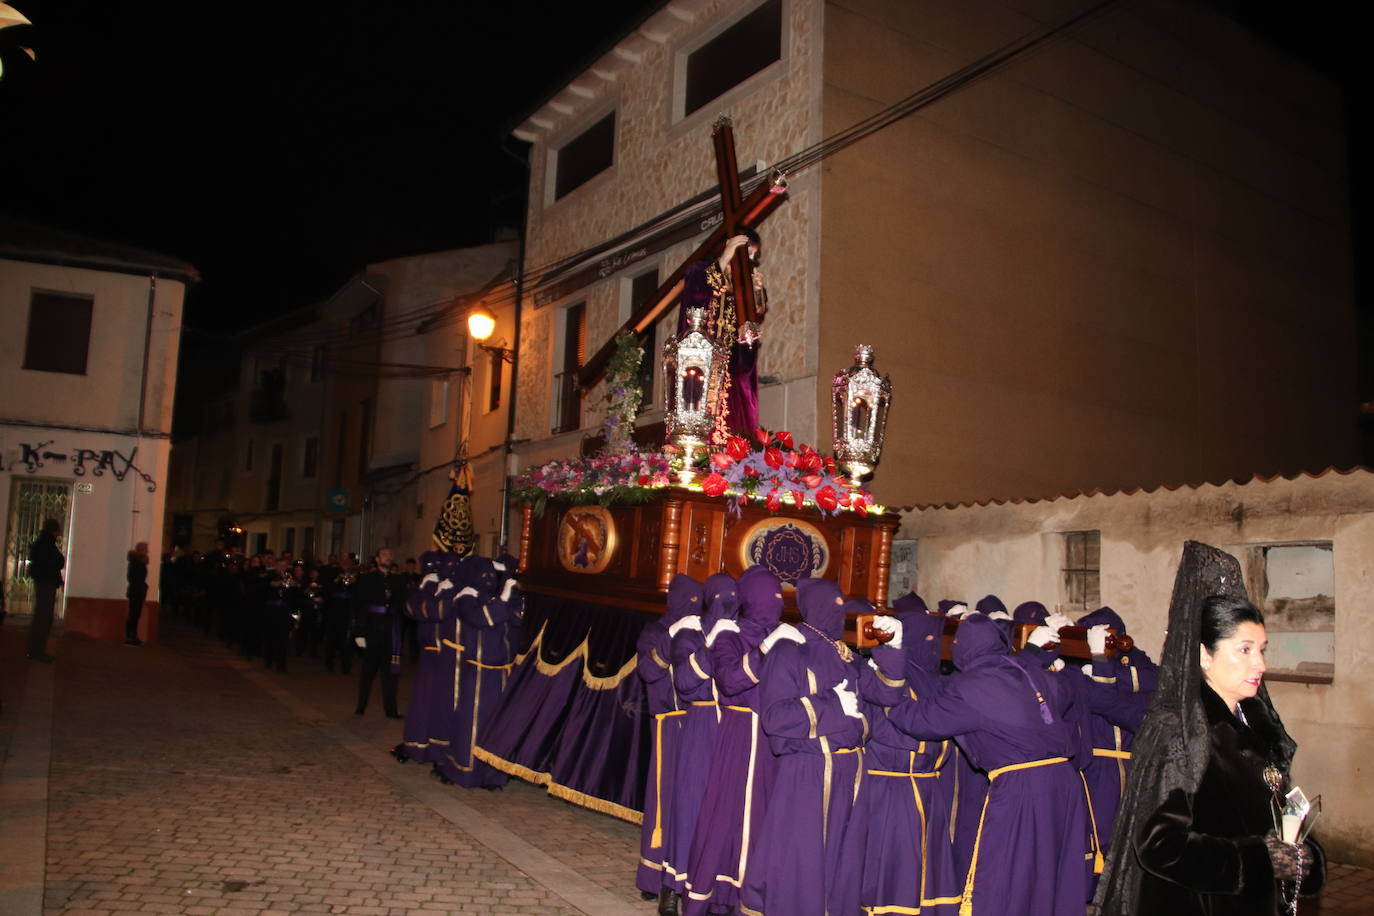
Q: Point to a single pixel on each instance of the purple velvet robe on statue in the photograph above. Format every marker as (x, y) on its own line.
(796, 863)
(899, 835)
(484, 664)
(698, 292)
(1014, 720)
(740, 780)
(696, 693)
(653, 663)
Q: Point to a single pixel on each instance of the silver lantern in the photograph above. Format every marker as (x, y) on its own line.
(859, 412)
(694, 371)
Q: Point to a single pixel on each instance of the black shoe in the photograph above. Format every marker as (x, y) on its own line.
(668, 903)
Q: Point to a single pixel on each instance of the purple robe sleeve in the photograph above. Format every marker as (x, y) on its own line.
(887, 685)
(472, 611)
(789, 709)
(651, 666)
(734, 664)
(690, 660)
(935, 708)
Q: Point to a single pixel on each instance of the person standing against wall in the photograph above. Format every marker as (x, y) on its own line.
(137, 577)
(46, 564)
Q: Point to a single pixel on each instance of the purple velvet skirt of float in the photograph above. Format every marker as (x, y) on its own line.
(736, 797)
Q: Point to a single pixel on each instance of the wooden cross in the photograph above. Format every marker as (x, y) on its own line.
(739, 213)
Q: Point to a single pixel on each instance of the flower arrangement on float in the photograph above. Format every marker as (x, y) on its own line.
(776, 471)
(605, 479)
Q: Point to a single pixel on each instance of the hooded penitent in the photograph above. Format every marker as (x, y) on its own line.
(822, 606)
(910, 603)
(760, 595)
(721, 598)
(684, 598)
(923, 638)
(990, 604)
(1030, 612)
(945, 604)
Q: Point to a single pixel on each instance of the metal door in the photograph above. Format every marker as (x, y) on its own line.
(32, 499)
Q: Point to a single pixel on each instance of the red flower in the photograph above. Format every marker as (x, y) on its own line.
(773, 458)
(774, 500)
(750, 471)
(784, 438)
(812, 481)
(737, 448)
(799, 498)
(790, 459)
(811, 461)
(763, 436)
(643, 480)
(827, 499)
(714, 484)
(830, 464)
(861, 507)
(721, 460)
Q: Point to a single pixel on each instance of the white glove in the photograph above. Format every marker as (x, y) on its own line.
(959, 610)
(360, 642)
(849, 700)
(780, 632)
(443, 586)
(999, 615)
(889, 625)
(509, 587)
(1056, 622)
(1042, 635)
(466, 591)
(722, 626)
(500, 567)
(432, 577)
(1097, 639)
(1057, 665)
(1088, 669)
(690, 622)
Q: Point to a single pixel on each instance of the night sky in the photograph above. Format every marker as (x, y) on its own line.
(281, 147)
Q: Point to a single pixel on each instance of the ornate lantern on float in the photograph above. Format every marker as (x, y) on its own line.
(859, 412)
(693, 373)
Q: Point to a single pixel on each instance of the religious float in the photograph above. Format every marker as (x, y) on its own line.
(603, 535)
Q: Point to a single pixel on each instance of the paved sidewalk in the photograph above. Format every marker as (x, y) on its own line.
(181, 779)
(184, 780)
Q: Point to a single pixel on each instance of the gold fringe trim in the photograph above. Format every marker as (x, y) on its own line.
(592, 682)
(596, 804)
(510, 769)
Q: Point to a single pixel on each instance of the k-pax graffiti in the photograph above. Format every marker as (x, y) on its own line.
(83, 460)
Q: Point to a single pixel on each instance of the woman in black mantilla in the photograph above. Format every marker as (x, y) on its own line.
(1196, 832)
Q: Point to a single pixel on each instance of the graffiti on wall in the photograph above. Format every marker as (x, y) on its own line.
(83, 461)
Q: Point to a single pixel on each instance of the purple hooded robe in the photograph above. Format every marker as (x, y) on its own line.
(486, 653)
(653, 664)
(696, 693)
(1131, 672)
(899, 834)
(794, 868)
(427, 714)
(741, 774)
(1013, 719)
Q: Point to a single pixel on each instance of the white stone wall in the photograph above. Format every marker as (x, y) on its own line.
(1014, 550)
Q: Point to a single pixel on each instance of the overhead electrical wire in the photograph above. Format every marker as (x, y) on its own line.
(441, 313)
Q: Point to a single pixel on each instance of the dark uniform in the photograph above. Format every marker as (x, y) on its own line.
(378, 600)
(338, 614)
(279, 618)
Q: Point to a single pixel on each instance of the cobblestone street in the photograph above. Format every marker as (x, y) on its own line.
(180, 779)
(184, 780)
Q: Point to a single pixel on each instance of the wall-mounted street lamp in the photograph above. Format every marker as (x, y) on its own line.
(481, 324)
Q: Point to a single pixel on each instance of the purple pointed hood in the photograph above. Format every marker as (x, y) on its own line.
(1030, 612)
(430, 561)
(945, 604)
(989, 604)
(760, 595)
(1105, 615)
(684, 598)
(910, 603)
(923, 638)
(822, 605)
(721, 597)
(978, 641)
(481, 575)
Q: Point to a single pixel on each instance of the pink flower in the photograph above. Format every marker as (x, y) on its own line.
(721, 460)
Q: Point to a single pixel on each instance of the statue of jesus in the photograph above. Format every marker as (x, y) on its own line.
(707, 285)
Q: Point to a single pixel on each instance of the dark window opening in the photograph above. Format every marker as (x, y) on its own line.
(1083, 570)
(310, 461)
(585, 156)
(734, 55)
(59, 337)
(568, 412)
(642, 288)
(494, 366)
(274, 479)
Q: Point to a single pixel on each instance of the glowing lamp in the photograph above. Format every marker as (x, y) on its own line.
(694, 371)
(859, 414)
(481, 324)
